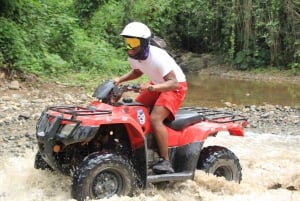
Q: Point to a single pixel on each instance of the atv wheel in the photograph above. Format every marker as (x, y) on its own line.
(40, 163)
(101, 176)
(221, 162)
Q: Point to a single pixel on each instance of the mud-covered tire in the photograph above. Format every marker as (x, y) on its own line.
(40, 163)
(221, 162)
(104, 175)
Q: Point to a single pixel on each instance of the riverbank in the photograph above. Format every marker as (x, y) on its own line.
(268, 75)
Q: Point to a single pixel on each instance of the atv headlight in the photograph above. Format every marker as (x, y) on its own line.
(67, 129)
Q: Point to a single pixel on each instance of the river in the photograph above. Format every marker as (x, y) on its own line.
(214, 91)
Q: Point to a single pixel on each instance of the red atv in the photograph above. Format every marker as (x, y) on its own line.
(108, 147)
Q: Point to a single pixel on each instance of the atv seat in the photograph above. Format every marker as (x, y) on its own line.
(184, 118)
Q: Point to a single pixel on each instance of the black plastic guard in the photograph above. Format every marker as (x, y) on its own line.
(48, 154)
(104, 89)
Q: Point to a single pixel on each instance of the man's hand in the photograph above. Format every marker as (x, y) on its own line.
(146, 87)
(117, 81)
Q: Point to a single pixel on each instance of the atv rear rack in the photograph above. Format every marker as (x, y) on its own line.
(78, 111)
(216, 116)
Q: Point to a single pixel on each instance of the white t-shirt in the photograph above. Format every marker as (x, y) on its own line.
(158, 64)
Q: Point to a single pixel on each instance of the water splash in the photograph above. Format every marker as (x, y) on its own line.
(271, 171)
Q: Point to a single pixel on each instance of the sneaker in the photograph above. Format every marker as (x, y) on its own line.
(162, 167)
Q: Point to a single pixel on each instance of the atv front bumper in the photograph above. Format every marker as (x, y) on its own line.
(53, 133)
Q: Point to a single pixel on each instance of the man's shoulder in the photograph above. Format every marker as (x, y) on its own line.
(157, 50)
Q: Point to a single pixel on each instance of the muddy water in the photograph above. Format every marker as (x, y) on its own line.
(213, 91)
(271, 171)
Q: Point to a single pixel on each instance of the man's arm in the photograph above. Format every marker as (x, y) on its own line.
(131, 75)
(170, 83)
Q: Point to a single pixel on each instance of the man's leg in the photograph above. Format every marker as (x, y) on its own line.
(158, 115)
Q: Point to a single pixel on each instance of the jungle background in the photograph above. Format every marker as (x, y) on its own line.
(80, 38)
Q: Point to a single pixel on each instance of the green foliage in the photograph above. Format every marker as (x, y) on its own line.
(54, 64)
(51, 37)
(1, 59)
(11, 42)
(12, 47)
(10, 8)
(248, 59)
(86, 8)
(151, 12)
(196, 25)
(59, 40)
(106, 24)
(97, 57)
(50, 41)
(109, 20)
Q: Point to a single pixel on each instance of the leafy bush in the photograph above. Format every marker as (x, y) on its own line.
(1, 59)
(100, 57)
(54, 64)
(86, 8)
(107, 23)
(12, 46)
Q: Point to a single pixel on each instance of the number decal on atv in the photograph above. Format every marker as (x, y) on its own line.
(141, 116)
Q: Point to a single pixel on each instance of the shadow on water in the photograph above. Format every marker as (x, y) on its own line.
(214, 91)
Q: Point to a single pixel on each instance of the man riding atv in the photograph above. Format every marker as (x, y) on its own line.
(111, 145)
(163, 94)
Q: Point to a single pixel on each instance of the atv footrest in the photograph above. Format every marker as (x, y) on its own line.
(170, 177)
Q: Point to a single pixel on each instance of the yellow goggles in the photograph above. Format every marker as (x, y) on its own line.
(132, 43)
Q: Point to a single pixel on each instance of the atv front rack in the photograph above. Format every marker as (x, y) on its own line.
(75, 111)
(216, 116)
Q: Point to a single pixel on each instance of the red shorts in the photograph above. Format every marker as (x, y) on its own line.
(169, 99)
